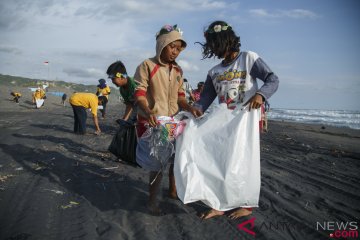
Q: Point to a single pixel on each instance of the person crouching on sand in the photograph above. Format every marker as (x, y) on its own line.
(159, 93)
(80, 102)
(16, 96)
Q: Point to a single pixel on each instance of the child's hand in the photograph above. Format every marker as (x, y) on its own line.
(255, 101)
(151, 117)
(152, 120)
(195, 112)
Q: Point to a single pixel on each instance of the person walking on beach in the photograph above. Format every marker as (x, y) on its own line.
(63, 99)
(103, 91)
(159, 93)
(118, 75)
(222, 42)
(81, 101)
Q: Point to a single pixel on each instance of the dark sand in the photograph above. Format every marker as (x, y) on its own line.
(57, 185)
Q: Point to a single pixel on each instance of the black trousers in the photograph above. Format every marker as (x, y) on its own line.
(104, 102)
(80, 117)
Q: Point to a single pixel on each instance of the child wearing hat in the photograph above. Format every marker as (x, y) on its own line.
(159, 93)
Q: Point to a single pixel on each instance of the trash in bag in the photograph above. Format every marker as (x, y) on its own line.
(156, 145)
(124, 143)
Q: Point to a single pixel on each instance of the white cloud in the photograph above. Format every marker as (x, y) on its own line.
(84, 73)
(187, 66)
(292, 13)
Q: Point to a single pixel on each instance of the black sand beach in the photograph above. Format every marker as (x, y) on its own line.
(57, 185)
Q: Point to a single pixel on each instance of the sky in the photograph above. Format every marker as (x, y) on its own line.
(312, 45)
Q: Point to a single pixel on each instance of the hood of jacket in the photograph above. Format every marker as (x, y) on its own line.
(163, 40)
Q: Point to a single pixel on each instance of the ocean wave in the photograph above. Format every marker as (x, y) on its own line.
(338, 118)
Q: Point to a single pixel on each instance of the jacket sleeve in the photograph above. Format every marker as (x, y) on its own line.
(141, 77)
(261, 70)
(207, 96)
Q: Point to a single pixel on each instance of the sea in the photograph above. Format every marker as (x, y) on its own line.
(337, 118)
(58, 94)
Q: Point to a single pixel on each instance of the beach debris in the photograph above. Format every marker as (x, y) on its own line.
(4, 178)
(108, 168)
(70, 205)
(306, 145)
(39, 166)
(19, 169)
(55, 191)
(68, 180)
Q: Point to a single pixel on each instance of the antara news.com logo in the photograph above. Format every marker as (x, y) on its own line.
(338, 230)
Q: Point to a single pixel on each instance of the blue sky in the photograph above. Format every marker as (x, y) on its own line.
(313, 46)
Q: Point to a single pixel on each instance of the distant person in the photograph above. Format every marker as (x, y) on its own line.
(63, 99)
(188, 92)
(265, 108)
(159, 93)
(222, 42)
(118, 75)
(81, 101)
(197, 92)
(103, 91)
(16, 96)
(39, 96)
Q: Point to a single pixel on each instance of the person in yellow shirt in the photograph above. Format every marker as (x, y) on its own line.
(103, 92)
(81, 101)
(16, 96)
(38, 94)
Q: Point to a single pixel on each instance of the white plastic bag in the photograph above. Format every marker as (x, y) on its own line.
(217, 159)
(39, 103)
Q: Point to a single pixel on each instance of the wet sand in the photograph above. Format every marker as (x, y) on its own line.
(57, 185)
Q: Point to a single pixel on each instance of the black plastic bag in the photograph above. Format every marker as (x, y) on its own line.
(124, 144)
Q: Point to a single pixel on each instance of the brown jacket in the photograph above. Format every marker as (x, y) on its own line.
(158, 82)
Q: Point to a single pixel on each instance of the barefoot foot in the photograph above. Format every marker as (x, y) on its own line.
(240, 212)
(211, 213)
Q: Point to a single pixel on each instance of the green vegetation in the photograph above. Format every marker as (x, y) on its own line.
(7, 80)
